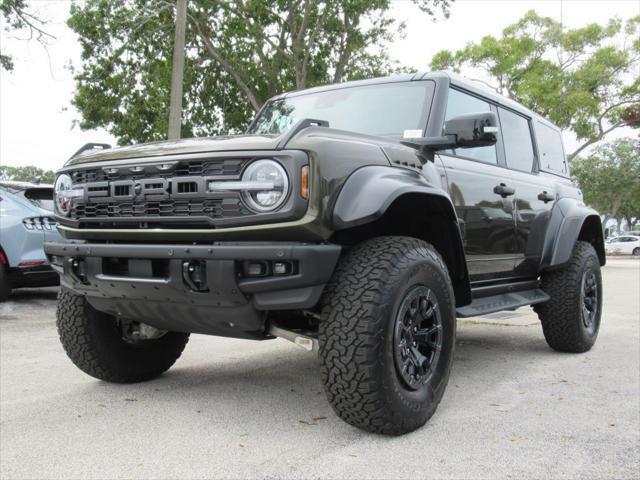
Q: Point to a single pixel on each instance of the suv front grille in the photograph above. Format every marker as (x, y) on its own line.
(129, 192)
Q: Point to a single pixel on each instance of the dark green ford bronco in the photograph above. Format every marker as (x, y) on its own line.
(358, 219)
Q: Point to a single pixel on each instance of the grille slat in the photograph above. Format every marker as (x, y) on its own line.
(213, 208)
(223, 167)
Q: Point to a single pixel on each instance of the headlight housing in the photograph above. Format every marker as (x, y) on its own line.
(265, 185)
(63, 193)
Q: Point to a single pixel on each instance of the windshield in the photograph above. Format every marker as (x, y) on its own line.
(384, 109)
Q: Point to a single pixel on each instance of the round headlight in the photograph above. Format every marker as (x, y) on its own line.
(62, 194)
(267, 185)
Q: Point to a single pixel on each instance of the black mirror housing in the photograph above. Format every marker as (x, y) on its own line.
(464, 131)
(473, 129)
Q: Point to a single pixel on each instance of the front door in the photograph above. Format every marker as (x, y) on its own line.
(483, 195)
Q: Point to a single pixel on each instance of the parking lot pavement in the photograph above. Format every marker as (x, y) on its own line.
(240, 409)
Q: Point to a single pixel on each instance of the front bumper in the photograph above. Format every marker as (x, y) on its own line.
(152, 283)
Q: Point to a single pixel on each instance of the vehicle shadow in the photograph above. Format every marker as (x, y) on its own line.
(256, 387)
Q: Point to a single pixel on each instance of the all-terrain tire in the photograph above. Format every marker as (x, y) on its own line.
(5, 284)
(562, 317)
(356, 334)
(94, 343)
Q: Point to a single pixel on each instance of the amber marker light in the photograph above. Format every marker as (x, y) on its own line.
(304, 182)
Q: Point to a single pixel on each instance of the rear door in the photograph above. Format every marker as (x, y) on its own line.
(486, 217)
(535, 190)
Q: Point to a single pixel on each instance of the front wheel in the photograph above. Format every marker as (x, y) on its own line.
(387, 335)
(636, 252)
(571, 317)
(114, 351)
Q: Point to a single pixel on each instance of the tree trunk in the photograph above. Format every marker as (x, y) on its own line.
(175, 108)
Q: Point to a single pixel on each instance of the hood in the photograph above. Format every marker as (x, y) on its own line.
(175, 147)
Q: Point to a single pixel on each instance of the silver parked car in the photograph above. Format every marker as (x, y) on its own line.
(26, 222)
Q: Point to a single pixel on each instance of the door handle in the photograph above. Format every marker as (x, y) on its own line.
(503, 190)
(546, 197)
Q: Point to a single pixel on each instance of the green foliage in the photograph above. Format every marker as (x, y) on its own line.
(610, 178)
(239, 53)
(584, 79)
(26, 174)
(18, 18)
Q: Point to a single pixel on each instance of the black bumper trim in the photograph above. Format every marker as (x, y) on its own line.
(232, 306)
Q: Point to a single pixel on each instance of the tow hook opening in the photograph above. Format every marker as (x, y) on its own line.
(78, 270)
(194, 273)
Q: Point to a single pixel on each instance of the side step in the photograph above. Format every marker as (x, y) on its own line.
(503, 301)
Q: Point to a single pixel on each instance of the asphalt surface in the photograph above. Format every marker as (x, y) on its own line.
(240, 409)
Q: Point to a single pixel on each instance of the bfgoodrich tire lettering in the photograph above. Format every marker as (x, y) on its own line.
(569, 322)
(356, 334)
(94, 343)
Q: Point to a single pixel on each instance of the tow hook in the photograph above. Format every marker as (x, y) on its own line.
(78, 271)
(194, 273)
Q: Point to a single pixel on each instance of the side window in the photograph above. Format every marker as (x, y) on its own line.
(516, 136)
(459, 103)
(550, 148)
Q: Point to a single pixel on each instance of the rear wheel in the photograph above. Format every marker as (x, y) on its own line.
(114, 351)
(571, 318)
(636, 252)
(387, 335)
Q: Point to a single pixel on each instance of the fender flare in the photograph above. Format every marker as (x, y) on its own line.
(370, 191)
(568, 219)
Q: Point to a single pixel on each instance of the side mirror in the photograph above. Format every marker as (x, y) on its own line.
(464, 131)
(473, 129)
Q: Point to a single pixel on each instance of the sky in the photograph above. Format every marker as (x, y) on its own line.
(37, 119)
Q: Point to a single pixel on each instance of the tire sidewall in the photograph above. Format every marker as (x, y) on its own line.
(590, 263)
(423, 271)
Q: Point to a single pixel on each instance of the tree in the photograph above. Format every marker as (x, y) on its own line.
(610, 179)
(26, 174)
(584, 79)
(18, 17)
(239, 53)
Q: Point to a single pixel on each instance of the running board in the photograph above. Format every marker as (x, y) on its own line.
(503, 301)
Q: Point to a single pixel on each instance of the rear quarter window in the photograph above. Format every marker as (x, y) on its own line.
(40, 197)
(550, 149)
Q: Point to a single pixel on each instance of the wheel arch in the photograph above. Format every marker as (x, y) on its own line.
(379, 201)
(571, 221)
